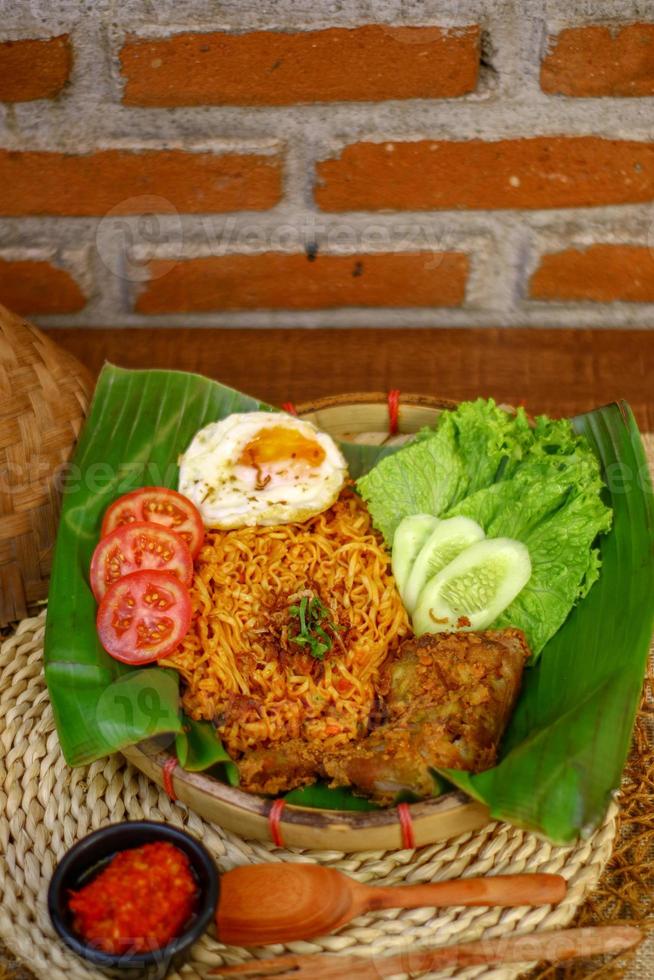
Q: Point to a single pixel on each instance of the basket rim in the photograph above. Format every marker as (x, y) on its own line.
(372, 398)
(314, 817)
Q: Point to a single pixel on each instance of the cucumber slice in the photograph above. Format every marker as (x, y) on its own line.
(478, 585)
(410, 535)
(447, 540)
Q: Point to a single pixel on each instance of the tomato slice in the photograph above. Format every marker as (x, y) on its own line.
(133, 547)
(160, 506)
(144, 616)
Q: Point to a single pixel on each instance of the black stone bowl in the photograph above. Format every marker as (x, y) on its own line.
(90, 855)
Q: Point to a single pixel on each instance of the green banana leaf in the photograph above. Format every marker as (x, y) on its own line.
(138, 423)
(324, 797)
(568, 740)
(569, 737)
(198, 749)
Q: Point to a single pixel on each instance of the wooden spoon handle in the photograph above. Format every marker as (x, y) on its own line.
(554, 947)
(527, 889)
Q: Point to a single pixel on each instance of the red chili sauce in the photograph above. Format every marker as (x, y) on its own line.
(139, 902)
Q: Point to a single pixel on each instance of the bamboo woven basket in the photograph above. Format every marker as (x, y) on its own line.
(362, 417)
(44, 393)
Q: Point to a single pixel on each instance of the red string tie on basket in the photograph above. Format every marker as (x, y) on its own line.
(289, 407)
(406, 826)
(169, 767)
(393, 410)
(274, 822)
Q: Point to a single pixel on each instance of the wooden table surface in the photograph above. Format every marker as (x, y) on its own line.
(561, 372)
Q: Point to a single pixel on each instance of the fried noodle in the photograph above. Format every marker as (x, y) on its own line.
(240, 666)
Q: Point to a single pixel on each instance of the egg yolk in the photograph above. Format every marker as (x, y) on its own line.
(279, 444)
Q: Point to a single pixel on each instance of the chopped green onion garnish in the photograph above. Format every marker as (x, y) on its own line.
(314, 620)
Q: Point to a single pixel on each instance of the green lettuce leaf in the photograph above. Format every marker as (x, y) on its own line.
(541, 485)
(553, 505)
(568, 739)
(469, 449)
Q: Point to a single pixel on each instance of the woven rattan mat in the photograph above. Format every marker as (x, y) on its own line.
(45, 807)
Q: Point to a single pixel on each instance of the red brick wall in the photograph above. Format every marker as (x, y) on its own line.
(475, 162)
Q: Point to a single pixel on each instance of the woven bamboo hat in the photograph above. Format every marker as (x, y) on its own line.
(44, 393)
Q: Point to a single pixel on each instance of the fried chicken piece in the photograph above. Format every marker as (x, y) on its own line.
(450, 698)
(279, 768)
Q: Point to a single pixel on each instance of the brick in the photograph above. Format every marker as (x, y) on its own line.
(543, 172)
(274, 281)
(600, 60)
(281, 68)
(31, 287)
(67, 184)
(599, 273)
(34, 69)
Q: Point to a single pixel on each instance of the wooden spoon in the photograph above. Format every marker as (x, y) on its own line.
(277, 903)
(555, 947)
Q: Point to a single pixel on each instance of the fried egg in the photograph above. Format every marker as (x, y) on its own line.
(261, 468)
